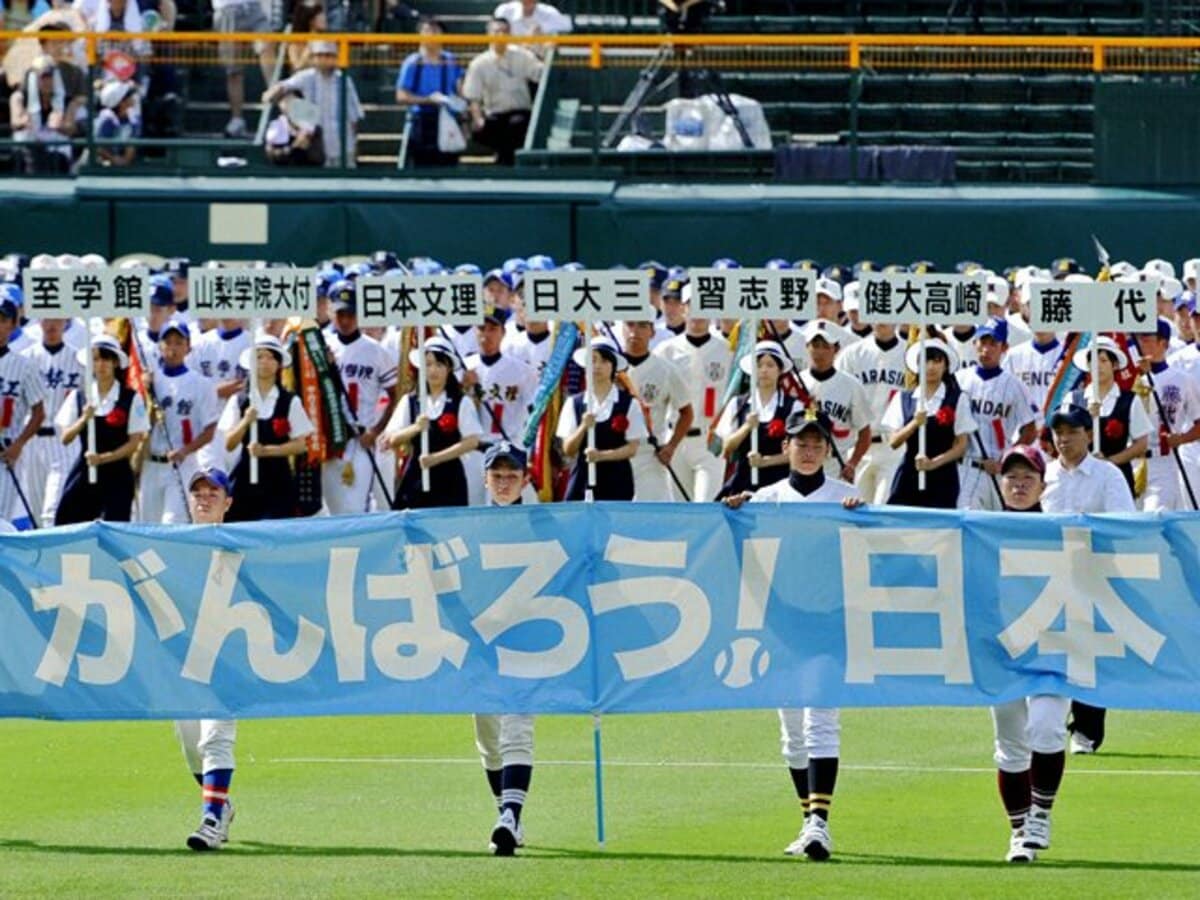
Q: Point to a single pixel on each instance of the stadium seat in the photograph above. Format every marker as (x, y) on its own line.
(885, 89)
(1060, 89)
(929, 116)
(997, 89)
(937, 88)
(878, 116)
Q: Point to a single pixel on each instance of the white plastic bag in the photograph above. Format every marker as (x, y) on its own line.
(450, 135)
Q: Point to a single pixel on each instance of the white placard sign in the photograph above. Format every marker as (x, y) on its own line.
(229, 293)
(1093, 306)
(929, 299)
(85, 292)
(588, 295)
(753, 293)
(420, 300)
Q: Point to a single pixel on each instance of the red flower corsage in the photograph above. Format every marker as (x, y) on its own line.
(1114, 429)
(619, 424)
(447, 422)
(117, 417)
(945, 417)
(280, 427)
(775, 429)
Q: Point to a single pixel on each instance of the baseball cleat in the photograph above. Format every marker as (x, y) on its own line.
(1017, 851)
(207, 836)
(796, 847)
(816, 842)
(504, 835)
(226, 821)
(1037, 829)
(1081, 744)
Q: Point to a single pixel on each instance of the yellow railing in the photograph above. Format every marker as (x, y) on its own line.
(825, 51)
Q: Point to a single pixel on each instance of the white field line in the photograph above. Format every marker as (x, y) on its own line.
(674, 764)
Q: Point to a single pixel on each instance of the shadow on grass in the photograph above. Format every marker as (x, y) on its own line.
(1103, 755)
(249, 849)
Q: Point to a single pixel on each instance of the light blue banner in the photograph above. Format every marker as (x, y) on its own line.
(570, 608)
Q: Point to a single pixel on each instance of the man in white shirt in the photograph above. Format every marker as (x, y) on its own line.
(498, 86)
(530, 17)
(811, 736)
(1174, 409)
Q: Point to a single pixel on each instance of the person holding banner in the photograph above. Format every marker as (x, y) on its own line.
(811, 736)
(208, 743)
(505, 742)
(769, 415)
(1173, 404)
(618, 422)
(181, 427)
(454, 431)
(1124, 425)
(267, 423)
(121, 425)
(22, 411)
(941, 407)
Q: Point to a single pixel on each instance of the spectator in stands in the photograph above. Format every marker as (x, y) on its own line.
(240, 16)
(115, 15)
(294, 137)
(427, 80)
(322, 85)
(498, 88)
(527, 17)
(162, 106)
(307, 18)
(44, 108)
(116, 122)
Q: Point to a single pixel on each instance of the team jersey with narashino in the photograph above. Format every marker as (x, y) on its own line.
(843, 400)
(1035, 365)
(660, 385)
(532, 349)
(367, 370)
(189, 404)
(60, 371)
(999, 404)
(217, 352)
(21, 387)
(879, 370)
(506, 386)
(831, 491)
(704, 362)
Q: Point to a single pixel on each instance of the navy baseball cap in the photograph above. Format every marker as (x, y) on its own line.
(540, 263)
(836, 272)
(162, 292)
(497, 314)
(178, 326)
(996, 328)
(177, 266)
(658, 273)
(214, 476)
(778, 264)
(385, 260)
(504, 452)
(1071, 414)
(495, 275)
(922, 267)
(807, 265)
(8, 309)
(801, 420)
(672, 288)
(513, 264)
(725, 263)
(342, 295)
(1064, 266)
(11, 291)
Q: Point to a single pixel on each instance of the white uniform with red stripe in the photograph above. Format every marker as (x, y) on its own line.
(1002, 407)
(46, 460)
(368, 371)
(842, 398)
(507, 386)
(705, 367)
(189, 404)
(880, 371)
(20, 389)
(660, 385)
(1035, 365)
(1179, 394)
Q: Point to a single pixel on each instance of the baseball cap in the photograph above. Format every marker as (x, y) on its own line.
(801, 420)
(162, 292)
(108, 344)
(768, 348)
(424, 265)
(315, 47)
(1164, 268)
(996, 328)
(967, 266)
(540, 263)
(1187, 300)
(778, 263)
(12, 292)
(8, 309)
(601, 345)
(504, 452)
(214, 476)
(725, 263)
(829, 288)
(1191, 268)
(1168, 285)
(1070, 414)
(495, 275)
(863, 265)
(264, 341)
(467, 268)
(497, 314)
(342, 294)
(836, 272)
(1064, 266)
(384, 260)
(178, 326)
(1023, 453)
(177, 266)
(1123, 271)
(922, 267)
(850, 297)
(658, 273)
(513, 264)
(806, 265)
(673, 288)
(828, 331)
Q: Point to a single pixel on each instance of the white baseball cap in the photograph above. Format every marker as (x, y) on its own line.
(1191, 268)
(850, 297)
(1162, 267)
(829, 288)
(831, 332)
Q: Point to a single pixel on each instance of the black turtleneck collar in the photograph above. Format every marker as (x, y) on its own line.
(55, 349)
(823, 376)
(806, 484)
(490, 359)
(1037, 507)
(537, 338)
(4, 351)
(637, 360)
(698, 341)
(862, 332)
(348, 338)
(677, 329)
(888, 344)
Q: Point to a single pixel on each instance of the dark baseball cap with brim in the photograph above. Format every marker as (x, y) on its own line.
(8, 309)
(175, 325)
(802, 420)
(1025, 454)
(214, 476)
(505, 452)
(1070, 414)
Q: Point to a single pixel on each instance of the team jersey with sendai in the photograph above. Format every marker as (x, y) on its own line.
(367, 370)
(1000, 405)
(705, 364)
(1035, 365)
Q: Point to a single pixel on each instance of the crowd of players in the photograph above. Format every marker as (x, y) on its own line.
(829, 409)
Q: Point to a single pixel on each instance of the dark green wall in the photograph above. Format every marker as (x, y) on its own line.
(1147, 132)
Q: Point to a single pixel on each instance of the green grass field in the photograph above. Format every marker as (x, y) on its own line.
(698, 805)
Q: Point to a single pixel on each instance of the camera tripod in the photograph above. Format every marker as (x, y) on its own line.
(650, 83)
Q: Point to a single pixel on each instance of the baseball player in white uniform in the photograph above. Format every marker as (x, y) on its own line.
(1035, 364)
(217, 353)
(811, 736)
(367, 372)
(208, 743)
(661, 388)
(182, 426)
(1174, 410)
(501, 385)
(877, 361)
(1003, 410)
(839, 396)
(532, 346)
(705, 362)
(22, 414)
